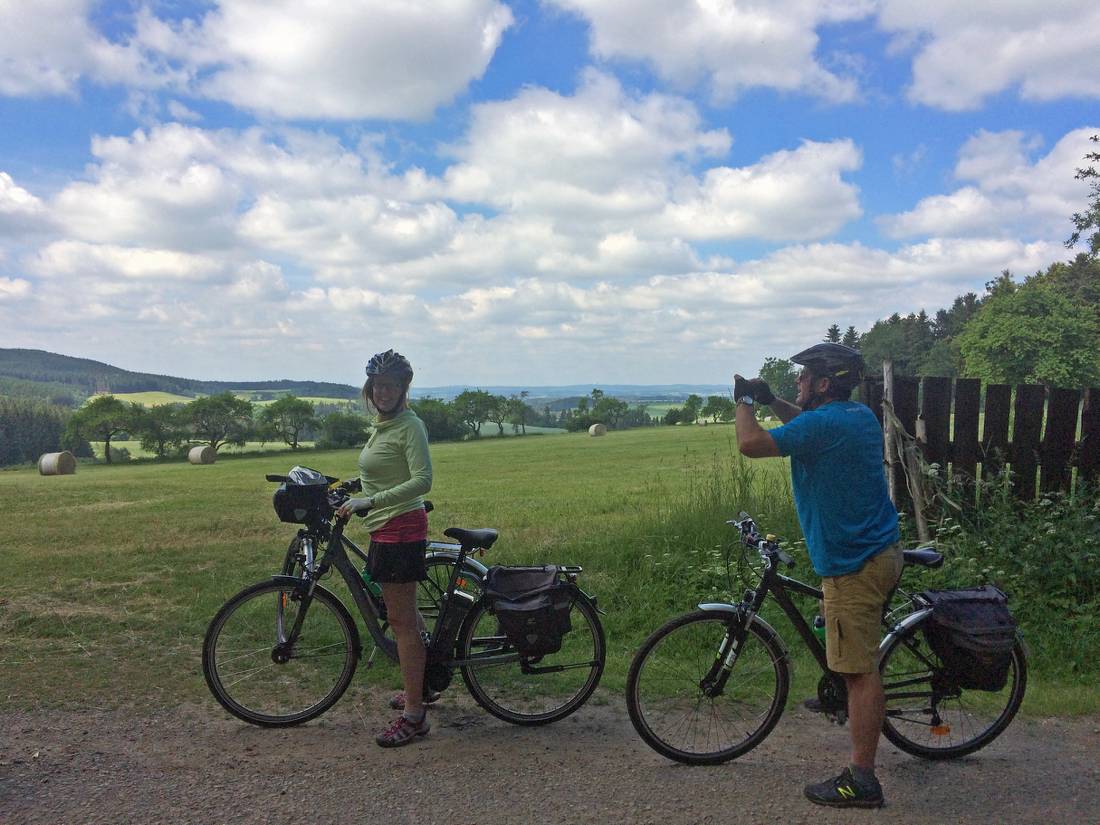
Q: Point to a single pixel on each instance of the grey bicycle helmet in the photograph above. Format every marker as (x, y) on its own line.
(390, 363)
(829, 360)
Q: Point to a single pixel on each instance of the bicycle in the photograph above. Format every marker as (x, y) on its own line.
(710, 685)
(439, 558)
(283, 651)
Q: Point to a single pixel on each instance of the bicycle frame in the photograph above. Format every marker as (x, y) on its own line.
(747, 612)
(780, 588)
(335, 556)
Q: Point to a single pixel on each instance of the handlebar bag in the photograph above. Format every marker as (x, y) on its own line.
(531, 607)
(973, 633)
(303, 497)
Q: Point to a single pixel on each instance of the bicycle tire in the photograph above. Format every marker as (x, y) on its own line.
(669, 707)
(942, 721)
(508, 693)
(267, 692)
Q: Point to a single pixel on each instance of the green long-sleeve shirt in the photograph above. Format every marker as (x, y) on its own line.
(395, 468)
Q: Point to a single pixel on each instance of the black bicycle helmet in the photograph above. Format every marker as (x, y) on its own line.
(836, 361)
(390, 363)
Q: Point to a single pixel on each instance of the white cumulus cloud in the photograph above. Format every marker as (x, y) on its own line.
(1005, 193)
(967, 52)
(730, 45)
(352, 60)
(49, 45)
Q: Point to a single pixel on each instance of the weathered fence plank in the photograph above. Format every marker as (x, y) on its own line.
(964, 454)
(935, 409)
(1026, 438)
(1058, 440)
(994, 452)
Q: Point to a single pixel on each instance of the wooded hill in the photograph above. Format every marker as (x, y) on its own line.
(31, 373)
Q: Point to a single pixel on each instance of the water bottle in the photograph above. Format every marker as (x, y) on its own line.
(819, 628)
(374, 587)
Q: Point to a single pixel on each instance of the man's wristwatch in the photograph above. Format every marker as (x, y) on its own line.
(745, 399)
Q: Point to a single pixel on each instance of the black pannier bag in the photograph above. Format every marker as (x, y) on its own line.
(531, 606)
(303, 497)
(973, 633)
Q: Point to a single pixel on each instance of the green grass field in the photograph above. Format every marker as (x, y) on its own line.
(153, 399)
(114, 572)
(313, 399)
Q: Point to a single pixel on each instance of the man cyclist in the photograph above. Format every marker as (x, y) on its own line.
(851, 530)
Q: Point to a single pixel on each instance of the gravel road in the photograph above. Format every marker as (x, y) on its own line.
(196, 764)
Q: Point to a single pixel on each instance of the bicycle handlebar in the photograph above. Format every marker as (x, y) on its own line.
(767, 547)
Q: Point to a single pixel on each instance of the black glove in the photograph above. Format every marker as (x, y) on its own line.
(743, 389)
(761, 391)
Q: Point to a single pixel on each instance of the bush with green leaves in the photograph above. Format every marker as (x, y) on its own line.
(1044, 554)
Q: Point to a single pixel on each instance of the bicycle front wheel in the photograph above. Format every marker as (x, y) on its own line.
(258, 675)
(532, 691)
(929, 715)
(678, 702)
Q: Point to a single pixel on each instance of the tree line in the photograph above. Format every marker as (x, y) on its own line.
(30, 427)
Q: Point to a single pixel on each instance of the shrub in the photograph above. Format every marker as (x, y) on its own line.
(1045, 555)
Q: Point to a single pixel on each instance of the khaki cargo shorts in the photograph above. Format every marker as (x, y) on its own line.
(853, 612)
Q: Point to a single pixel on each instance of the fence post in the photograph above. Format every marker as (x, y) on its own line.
(889, 454)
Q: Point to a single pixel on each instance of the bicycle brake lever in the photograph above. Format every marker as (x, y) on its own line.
(787, 560)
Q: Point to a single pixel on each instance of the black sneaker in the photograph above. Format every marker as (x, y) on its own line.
(813, 704)
(845, 792)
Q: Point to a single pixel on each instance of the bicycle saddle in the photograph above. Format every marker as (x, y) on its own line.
(923, 556)
(482, 539)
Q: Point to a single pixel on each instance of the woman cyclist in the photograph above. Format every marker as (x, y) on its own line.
(396, 472)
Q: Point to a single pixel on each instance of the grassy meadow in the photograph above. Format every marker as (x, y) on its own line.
(153, 398)
(118, 569)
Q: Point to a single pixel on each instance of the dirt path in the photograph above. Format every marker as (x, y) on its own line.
(195, 764)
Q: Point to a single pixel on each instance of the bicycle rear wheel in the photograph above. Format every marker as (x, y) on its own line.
(928, 715)
(535, 691)
(676, 707)
(259, 677)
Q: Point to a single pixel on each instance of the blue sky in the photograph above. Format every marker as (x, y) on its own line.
(549, 192)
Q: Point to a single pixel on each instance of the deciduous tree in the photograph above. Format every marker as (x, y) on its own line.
(1033, 334)
(220, 419)
(287, 418)
(101, 419)
(1087, 223)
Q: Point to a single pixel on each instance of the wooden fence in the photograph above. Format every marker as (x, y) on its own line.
(1042, 434)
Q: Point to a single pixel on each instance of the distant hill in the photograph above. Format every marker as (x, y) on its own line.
(39, 374)
(33, 373)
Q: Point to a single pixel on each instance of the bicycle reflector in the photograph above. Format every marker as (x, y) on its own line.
(941, 730)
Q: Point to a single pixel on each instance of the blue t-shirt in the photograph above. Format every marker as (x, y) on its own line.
(839, 485)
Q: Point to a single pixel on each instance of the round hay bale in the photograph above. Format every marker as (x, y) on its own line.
(202, 455)
(57, 464)
(597, 429)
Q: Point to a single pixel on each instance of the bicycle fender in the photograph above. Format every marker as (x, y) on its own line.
(735, 610)
(452, 555)
(914, 618)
